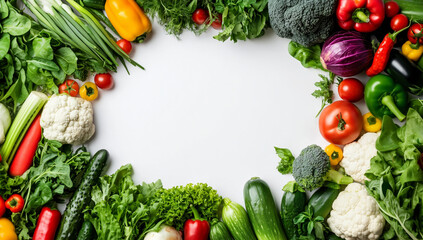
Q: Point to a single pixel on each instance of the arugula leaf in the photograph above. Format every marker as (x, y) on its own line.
(121, 209)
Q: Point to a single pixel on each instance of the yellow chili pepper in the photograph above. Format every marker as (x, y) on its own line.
(371, 123)
(7, 230)
(127, 18)
(411, 53)
(88, 91)
(335, 154)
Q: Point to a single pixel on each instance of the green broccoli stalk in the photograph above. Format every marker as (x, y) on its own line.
(311, 169)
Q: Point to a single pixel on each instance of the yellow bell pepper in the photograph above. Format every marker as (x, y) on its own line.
(411, 53)
(7, 230)
(335, 154)
(127, 18)
(371, 123)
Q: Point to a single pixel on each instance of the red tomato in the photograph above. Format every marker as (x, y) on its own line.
(415, 29)
(103, 80)
(217, 23)
(200, 16)
(399, 22)
(340, 123)
(125, 45)
(69, 87)
(351, 89)
(391, 9)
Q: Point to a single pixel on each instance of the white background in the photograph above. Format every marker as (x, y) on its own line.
(207, 111)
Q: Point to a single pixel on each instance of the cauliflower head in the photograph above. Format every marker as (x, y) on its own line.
(68, 120)
(357, 156)
(355, 215)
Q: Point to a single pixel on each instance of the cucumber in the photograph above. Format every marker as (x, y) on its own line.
(236, 219)
(87, 231)
(72, 216)
(219, 231)
(292, 204)
(262, 211)
(96, 4)
(322, 200)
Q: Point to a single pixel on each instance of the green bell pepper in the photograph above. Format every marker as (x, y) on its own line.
(383, 96)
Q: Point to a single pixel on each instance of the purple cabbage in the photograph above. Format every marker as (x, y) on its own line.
(346, 53)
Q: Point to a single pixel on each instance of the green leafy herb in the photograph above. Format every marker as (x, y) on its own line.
(121, 209)
(324, 92)
(285, 165)
(56, 170)
(396, 177)
(310, 227)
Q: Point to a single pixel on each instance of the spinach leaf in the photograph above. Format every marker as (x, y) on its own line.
(16, 24)
(44, 64)
(4, 10)
(66, 59)
(308, 56)
(4, 45)
(42, 48)
(19, 51)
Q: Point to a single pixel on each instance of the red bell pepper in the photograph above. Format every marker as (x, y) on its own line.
(15, 203)
(196, 228)
(47, 223)
(361, 15)
(2, 207)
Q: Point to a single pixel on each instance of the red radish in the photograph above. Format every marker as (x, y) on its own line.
(26, 150)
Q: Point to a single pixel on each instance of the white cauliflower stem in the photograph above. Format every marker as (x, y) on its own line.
(357, 156)
(68, 119)
(355, 215)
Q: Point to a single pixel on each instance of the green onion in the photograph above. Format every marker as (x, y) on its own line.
(29, 110)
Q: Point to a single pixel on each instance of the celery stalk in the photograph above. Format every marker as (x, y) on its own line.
(29, 110)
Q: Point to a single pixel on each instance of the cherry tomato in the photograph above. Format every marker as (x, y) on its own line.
(340, 123)
(69, 87)
(88, 91)
(125, 45)
(415, 29)
(351, 89)
(391, 9)
(217, 23)
(200, 16)
(399, 22)
(103, 80)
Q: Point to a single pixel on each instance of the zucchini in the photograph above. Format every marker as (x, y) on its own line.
(96, 4)
(72, 216)
(236, 219)
(262, 210)
(219, 231)
(87, 231)
(322, 200)
(292, 204)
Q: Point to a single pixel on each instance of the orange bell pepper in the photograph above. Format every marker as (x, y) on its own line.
(127, 18)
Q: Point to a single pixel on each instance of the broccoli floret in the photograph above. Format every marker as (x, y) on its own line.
(312, 168)
(307, 22)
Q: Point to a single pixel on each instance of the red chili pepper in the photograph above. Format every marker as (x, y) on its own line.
(2, 207)
(196, 228)
(361, 15)
(15, 203)
(47, 223)
(382, 53)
